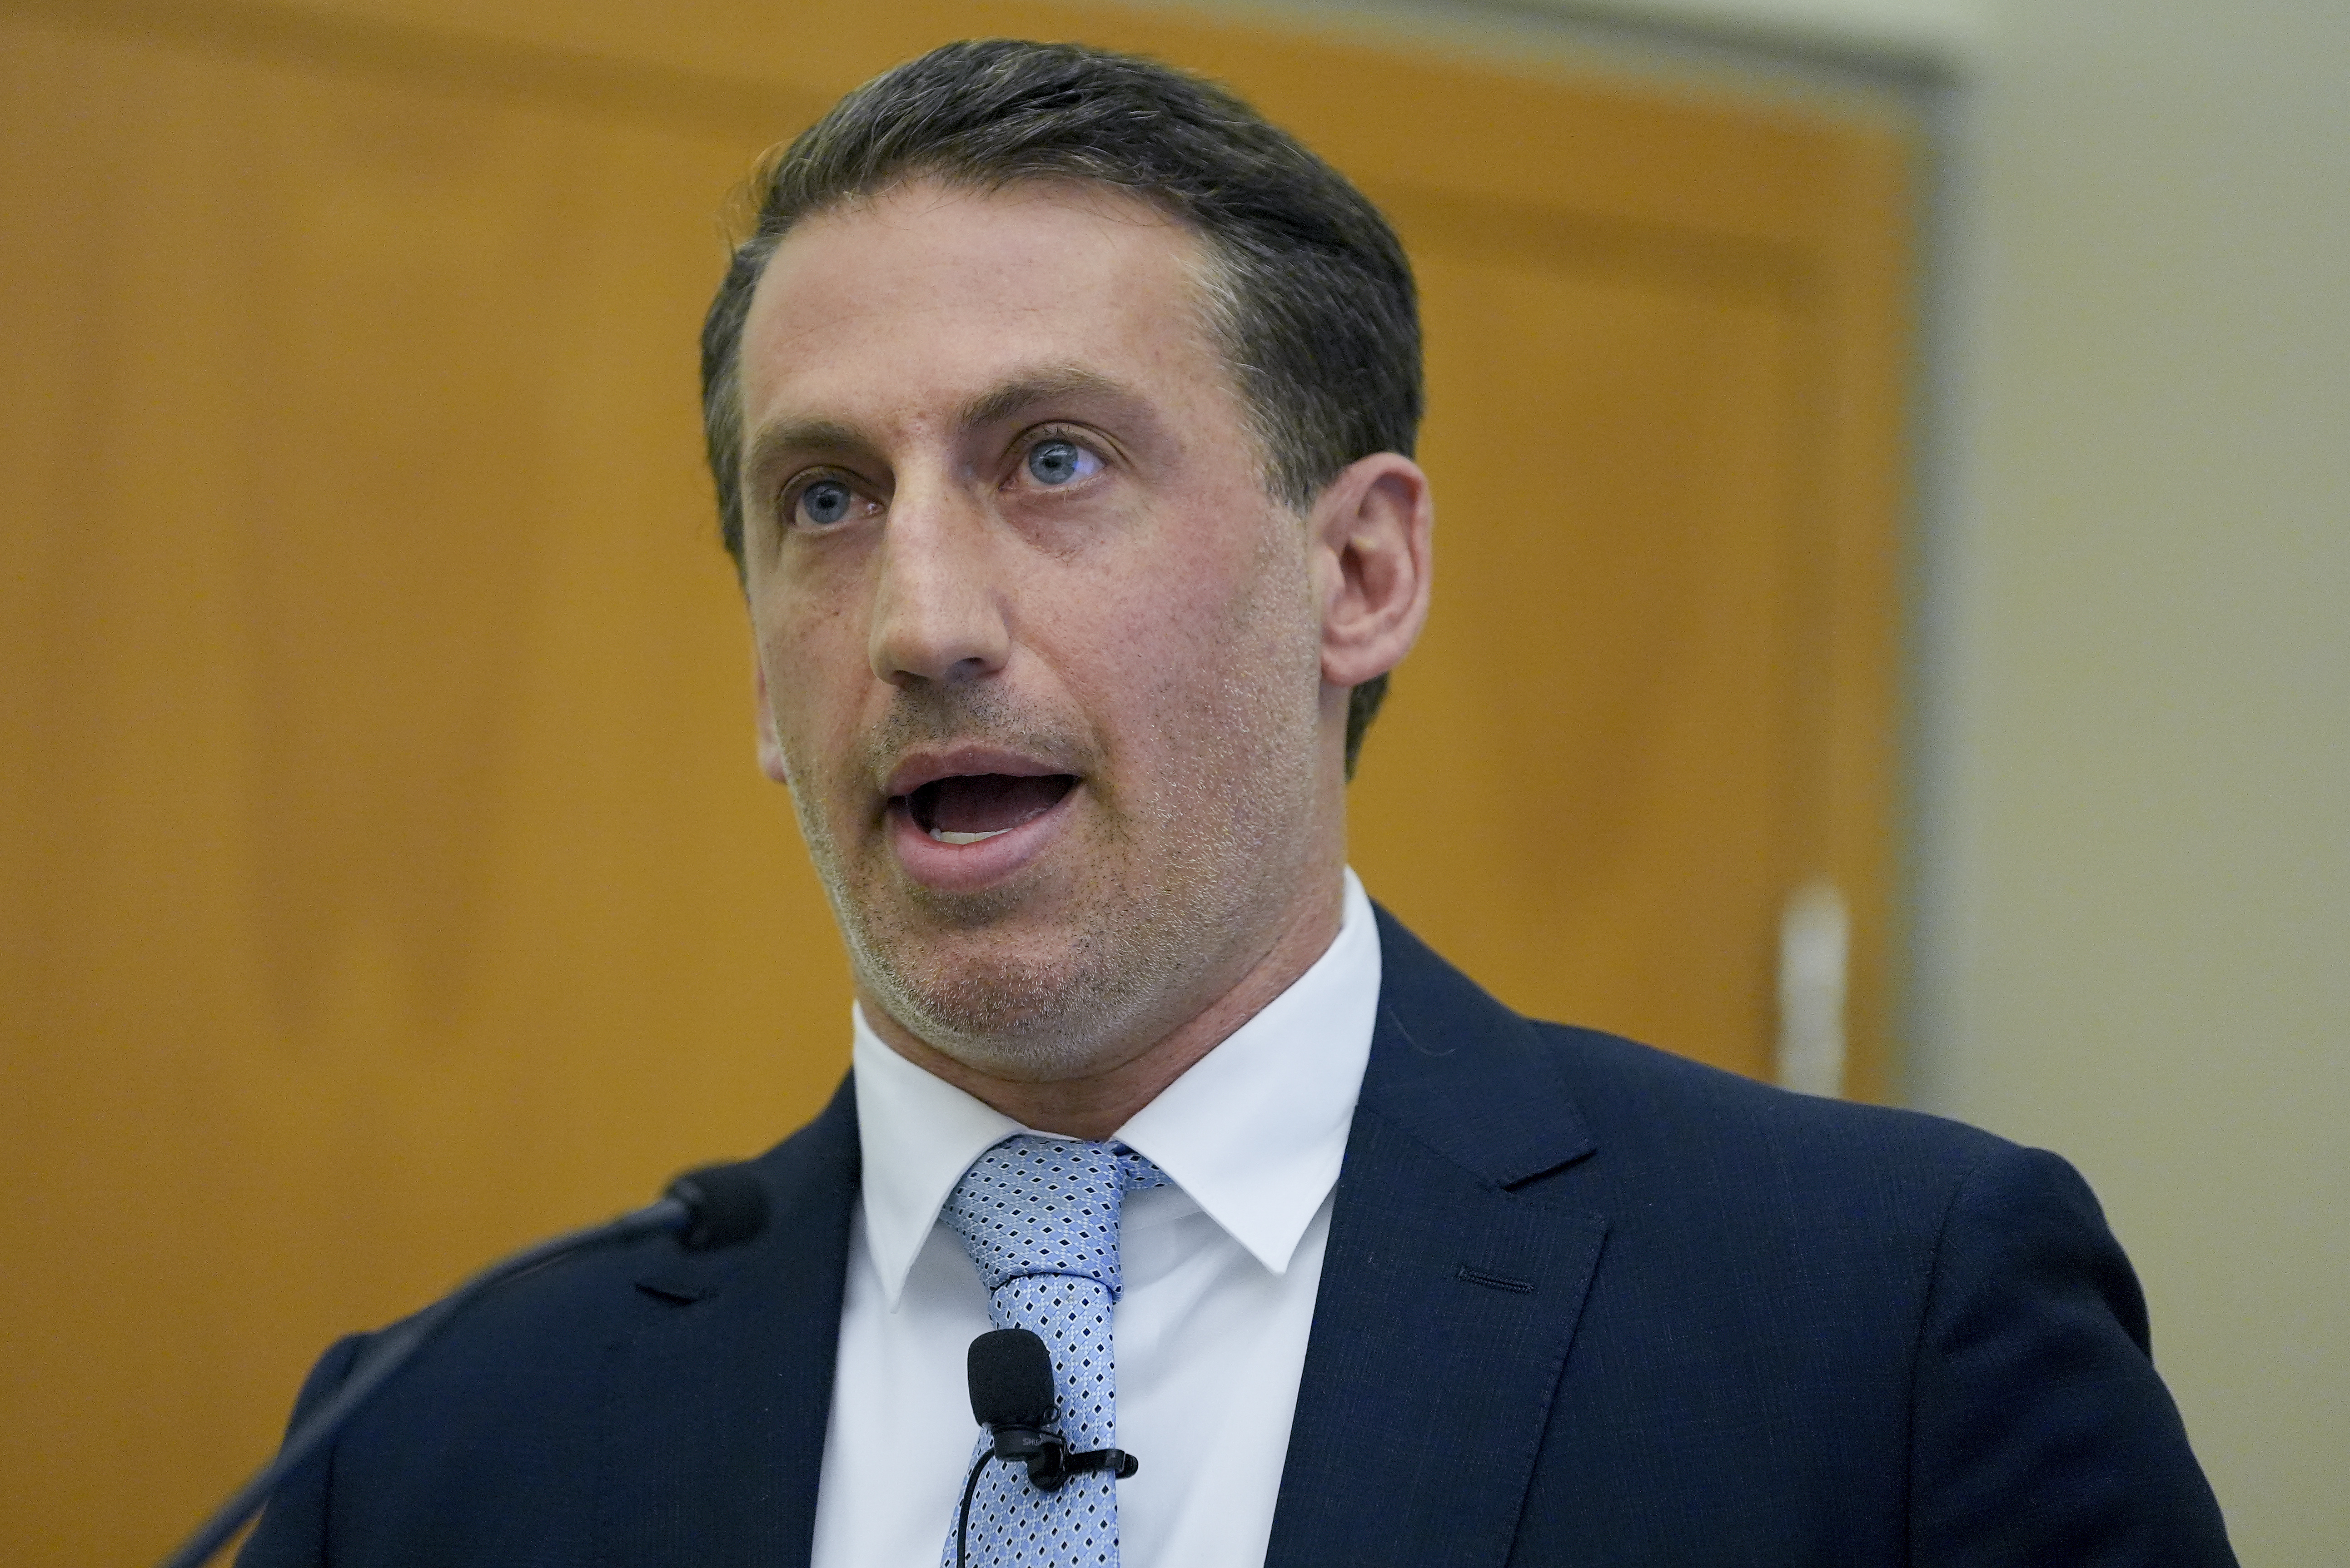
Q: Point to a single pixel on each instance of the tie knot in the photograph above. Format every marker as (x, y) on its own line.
(1046, 1206)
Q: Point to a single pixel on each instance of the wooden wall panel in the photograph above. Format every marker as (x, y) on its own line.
(1586, 777)
(383, 875)
(388, 880)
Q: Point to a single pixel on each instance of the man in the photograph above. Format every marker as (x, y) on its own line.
(1061, 412)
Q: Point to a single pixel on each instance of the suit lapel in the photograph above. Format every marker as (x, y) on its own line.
(1449, 1291)
(716, 1425)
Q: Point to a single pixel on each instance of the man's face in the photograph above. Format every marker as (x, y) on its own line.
(1040, 657)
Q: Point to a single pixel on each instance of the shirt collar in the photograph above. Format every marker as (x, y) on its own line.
(1254, 1133)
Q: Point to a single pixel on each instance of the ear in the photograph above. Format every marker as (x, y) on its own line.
(770, 749)
(1372, 530)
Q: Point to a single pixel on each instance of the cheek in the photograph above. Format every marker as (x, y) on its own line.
(1203, 656)
(816, 675)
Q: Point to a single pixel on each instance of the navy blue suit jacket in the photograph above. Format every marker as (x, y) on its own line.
(1584, 1304)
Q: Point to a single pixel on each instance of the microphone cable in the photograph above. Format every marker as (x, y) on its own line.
(716, 1206)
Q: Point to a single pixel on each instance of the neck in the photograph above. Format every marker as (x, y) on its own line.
(1095, 1104)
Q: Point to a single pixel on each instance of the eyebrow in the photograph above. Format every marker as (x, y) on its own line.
(1046, 384)
(768, 446)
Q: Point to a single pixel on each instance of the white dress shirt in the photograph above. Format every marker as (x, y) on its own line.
(1221, 1269)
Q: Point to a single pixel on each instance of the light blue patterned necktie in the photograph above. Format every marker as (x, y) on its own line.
(1039, 1217)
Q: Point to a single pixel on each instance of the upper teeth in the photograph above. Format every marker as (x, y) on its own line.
(943, 836)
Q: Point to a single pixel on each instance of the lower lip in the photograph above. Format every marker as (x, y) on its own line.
(968, 867)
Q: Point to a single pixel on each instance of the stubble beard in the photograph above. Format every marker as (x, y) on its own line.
(1183, 888)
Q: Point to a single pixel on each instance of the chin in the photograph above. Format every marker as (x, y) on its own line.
(1022, 1016)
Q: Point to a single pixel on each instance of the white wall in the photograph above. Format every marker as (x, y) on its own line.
(2134, 860)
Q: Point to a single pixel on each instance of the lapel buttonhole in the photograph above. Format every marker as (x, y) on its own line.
(1496, 1282)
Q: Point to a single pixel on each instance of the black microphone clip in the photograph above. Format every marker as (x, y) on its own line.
(1012, 1396)
(1050, 1464)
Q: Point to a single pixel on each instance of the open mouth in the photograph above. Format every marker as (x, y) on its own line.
(965, 808)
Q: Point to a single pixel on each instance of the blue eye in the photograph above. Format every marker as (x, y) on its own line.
(825, 501)
(1059, 462)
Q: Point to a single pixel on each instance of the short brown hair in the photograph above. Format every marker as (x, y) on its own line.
(1313, 297)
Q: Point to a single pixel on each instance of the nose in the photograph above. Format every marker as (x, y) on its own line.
(939, 611)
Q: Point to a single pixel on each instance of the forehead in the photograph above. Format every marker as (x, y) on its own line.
(927, 295)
